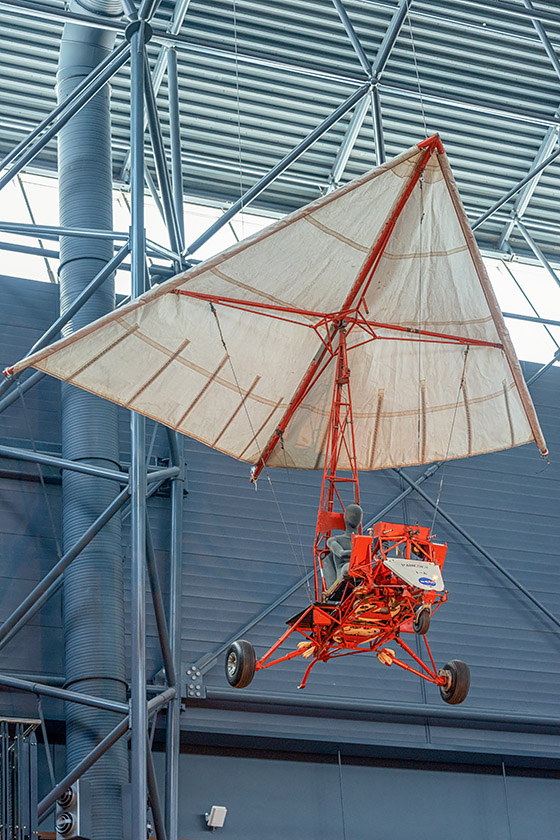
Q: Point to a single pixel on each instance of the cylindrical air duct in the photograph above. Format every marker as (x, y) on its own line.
(93, 584)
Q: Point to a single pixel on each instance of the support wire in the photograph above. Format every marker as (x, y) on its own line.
(341, 795)
(420, 96)
(298, 560)
(461, 384)
(41, 477)
(46, 741)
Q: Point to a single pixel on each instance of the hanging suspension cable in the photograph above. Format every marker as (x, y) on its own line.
(461, 386)
(41, 477)
(243, 397)
(420, 96)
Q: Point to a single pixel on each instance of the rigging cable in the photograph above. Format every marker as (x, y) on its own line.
(289, 479)
(417, 73)
(238, 114)
(527, 298)
(341, 796)
(41, 477)
(299, 560)
(421, 425)
(461, 385)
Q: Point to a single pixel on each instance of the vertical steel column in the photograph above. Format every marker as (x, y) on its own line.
(136, 32)
(175, 134)
(177, 487)
(4, 782)
(174, 707)
(377, 126)
(160, 161)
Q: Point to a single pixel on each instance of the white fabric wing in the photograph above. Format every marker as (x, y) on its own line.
(227, 377)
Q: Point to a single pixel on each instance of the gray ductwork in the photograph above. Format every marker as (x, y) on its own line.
(93, 585)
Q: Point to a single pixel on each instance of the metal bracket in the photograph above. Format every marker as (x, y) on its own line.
(195, 683)
(133, 27)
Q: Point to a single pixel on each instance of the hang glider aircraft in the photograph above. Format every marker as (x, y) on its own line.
(358, 333)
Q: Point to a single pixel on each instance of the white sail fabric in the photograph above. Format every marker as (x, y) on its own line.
(227, 377)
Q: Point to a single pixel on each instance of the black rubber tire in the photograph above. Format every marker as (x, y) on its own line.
(421, 624)
(460, 682)
(240, 663)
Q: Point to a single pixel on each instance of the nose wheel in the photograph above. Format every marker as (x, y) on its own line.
(421, 623)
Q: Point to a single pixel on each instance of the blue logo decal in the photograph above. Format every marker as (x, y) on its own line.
(426, 581)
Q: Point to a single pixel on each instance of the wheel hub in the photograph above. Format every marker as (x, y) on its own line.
(232, 663)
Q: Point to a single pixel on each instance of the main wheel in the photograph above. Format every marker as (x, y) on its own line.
(240, 663)
(458, 683)
(421, 624)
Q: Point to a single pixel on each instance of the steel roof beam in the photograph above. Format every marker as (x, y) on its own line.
(348, 142)
(541, 32)
(320, 706)
(37, 602)
(536, 250)
(36, 9)
(354, 40)
(515, 189)
(17, 684)
(548, 143)
(164, 180)
(534, 319)
(71, 106)
(513, 10)
(280, 167)
(152, 706)
(190, 46)
(175, 139)
(61, 107)
(377, 117)
(23, 612)
(148, 8)
(479, 548)
(373, 71)
(544, 368)
(129, 9)
(179, 12)
(528, 299)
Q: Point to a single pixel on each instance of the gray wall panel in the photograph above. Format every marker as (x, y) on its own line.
(305, 799)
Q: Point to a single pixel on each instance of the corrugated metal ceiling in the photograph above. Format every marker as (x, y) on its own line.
(256, 78)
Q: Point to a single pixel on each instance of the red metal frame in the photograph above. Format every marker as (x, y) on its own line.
(350, 314)
(374, 608)
(340, 438)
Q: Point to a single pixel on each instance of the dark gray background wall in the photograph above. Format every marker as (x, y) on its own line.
(301, 800)
(281, 797)
(238, 558)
